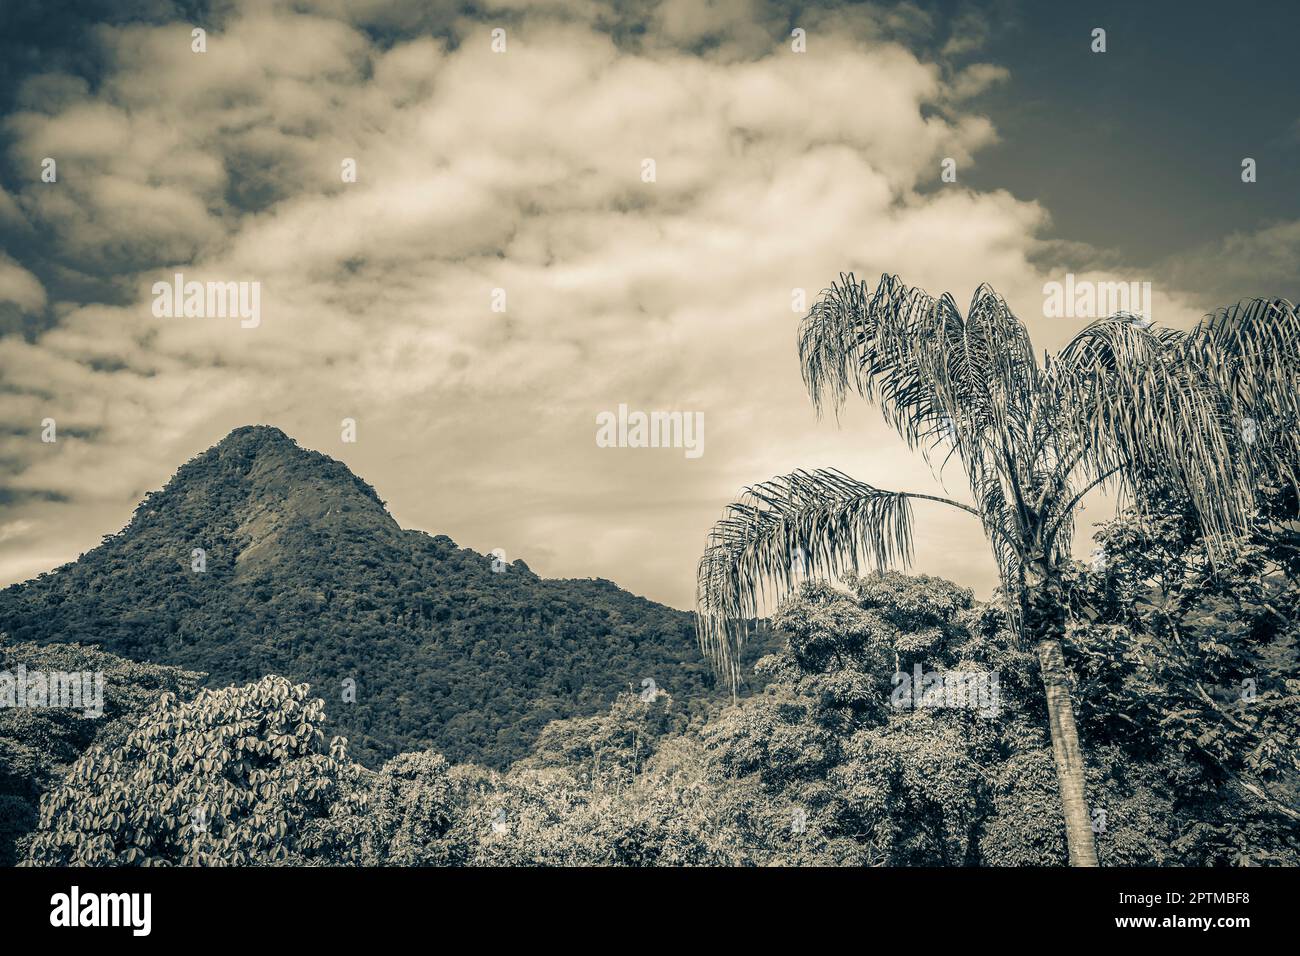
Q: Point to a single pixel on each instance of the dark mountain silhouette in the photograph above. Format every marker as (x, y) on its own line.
(308, 576)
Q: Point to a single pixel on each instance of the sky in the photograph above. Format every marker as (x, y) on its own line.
(502, 271)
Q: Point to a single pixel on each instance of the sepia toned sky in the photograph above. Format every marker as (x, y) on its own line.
(522, 171)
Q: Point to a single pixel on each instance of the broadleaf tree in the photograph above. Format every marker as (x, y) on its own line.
(234, 777)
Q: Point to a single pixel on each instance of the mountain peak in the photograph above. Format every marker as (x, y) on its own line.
(270, 461)
(256, 498)
(256, 436)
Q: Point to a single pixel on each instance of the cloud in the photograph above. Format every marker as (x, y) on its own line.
(1262, 263)
(976, 79)
(20, 287)
(478, 171)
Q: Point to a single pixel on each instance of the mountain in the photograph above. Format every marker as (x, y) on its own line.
(307, 575)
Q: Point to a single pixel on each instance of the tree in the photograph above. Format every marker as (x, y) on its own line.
(411, 805)
(38, 744)
(1123, 406)
(1184, 657)
(234, 777)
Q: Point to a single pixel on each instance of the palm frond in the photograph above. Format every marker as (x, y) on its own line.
(869, 342)
(805, 523)
(1252, 352)
(1147, 418)
(939, 379)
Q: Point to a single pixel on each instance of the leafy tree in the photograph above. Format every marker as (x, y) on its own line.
(409, 810)
(1178, 655)
(859, 779)
(572, 801)
(233, 777)
(1123, 405)
(37, 745)
(613, 746)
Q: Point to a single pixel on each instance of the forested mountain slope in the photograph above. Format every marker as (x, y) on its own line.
(307, 575)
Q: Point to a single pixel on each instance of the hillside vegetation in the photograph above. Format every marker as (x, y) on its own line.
(309, 577)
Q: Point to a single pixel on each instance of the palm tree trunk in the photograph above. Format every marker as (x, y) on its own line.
(1067, 753)
(1044, 621)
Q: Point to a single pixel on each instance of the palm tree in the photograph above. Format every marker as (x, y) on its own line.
(1124, 406)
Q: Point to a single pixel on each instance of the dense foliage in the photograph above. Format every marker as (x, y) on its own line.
(822, 767)
(38, 744)
(308, 576)
(1176, 654)
(233, 777)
